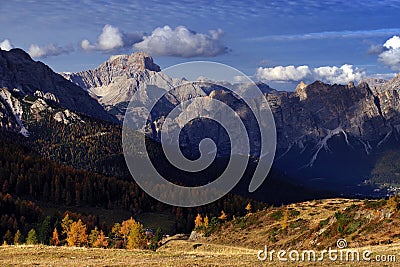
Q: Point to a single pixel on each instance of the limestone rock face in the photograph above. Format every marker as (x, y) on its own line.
(363, 116)
(114, 82)
(309, 112)
(19, 71)
(66, 117)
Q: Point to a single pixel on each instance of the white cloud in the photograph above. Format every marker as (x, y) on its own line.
(111, 38)
(36, 51)
(284, 73)
(6, 45)
(182, 42)
(393, 43)
(338, 75)
(344, 74)
(391, 57)
(85, 44)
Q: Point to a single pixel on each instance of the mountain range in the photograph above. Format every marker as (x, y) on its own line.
(328, 136)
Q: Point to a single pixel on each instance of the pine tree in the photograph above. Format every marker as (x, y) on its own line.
(198, 222)
(31, 239)
(54, 240)
(94, 234)
(17, 237)
(44, 232)
(158, 235)
(77, 236)
(101, 241)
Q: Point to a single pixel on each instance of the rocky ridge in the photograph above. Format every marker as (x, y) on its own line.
(18, 71)
(364, 115)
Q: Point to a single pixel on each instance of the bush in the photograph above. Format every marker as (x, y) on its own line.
(324, 222)
(353, 226)
(277, 215)
(374, 204)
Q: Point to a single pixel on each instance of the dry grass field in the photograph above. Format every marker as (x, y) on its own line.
(177, 253)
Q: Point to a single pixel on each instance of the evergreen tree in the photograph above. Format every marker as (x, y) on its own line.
(94, 234)
(31, 239)
(158, 235)
(44, 233)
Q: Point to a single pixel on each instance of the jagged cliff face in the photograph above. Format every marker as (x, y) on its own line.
(19, 71)
(111, 71)
(312, 111)
(114, 82)
(308, 118)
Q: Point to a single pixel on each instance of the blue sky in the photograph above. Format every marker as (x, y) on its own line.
(279, 42)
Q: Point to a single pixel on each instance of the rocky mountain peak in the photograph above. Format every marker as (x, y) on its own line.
(301, 90)
(16, 54)
(351, 85)
(301, 86)
(20, 73)
(137, 61)
(115, 69)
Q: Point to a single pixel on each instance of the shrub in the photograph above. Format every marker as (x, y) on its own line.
(277, 215)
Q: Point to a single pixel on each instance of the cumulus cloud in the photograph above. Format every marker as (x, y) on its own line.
(340, 75)
(111, 38)
(284, 73)
(6, 45)
(393, 43)
(182, 42)
(329, 74)
(37, 51)
(391, 56)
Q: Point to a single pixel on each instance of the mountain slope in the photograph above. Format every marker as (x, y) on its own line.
(314, 225)
(19, 71)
